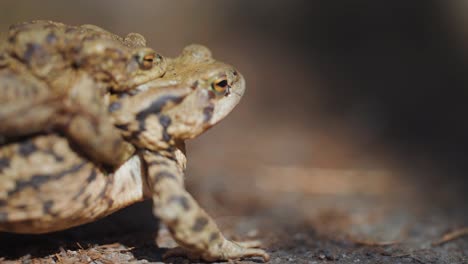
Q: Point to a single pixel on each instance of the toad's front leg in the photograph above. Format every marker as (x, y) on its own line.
(189, 224)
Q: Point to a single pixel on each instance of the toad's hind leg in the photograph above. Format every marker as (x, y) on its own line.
(189, 224)
(48, 187)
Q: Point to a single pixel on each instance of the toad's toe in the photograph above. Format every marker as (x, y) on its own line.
(228, 251)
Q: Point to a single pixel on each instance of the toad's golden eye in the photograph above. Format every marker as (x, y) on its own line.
(145, 59)
(221, 86)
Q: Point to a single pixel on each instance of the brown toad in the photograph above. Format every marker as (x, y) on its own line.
(47, 185)
(54, 77)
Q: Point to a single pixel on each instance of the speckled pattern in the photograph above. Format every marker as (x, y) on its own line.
(53, 176)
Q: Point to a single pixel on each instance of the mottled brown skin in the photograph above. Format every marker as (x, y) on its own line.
(55, 77)
(46, 185)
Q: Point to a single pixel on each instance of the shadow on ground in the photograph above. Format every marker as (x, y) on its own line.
(307, 227)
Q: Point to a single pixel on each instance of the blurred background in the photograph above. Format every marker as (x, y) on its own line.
(353, 126)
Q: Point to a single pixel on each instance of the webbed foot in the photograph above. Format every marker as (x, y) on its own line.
(227, 250)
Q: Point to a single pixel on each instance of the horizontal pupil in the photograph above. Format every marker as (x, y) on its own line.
(222, 83)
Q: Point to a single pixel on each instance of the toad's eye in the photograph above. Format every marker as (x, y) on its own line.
(220, 86)
(145, 59)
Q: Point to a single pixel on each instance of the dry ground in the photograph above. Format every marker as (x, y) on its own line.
(331, 156)
(302, 214)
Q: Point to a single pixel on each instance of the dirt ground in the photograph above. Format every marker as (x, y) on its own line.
(349, 145)
(324, 229)
(302, 215)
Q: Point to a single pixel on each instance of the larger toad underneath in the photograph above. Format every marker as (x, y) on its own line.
(49, 184)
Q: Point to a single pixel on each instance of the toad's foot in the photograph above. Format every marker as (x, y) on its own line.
(190, 226)
(228, 250)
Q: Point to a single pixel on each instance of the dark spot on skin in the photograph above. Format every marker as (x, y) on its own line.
(91, 177)
(171, 229)
(76, 65)
(4, 163)
(37, 180)
(166, 154)
(77, 61)
(165, 122)
(185, 244)
(235, 73)
(102, 196)
(141, 128)
(57, 157)
(31, 48)
(123, 126)
(51, 38)
(157, 106)
(115, 106)
(46, 206)
(134, 135)
(70, 30)
(79, 193)
(21, 207)
(171, 150)
(3, 202)
(110, 202)
(27, 148)
(164, 175)
(3, 217)
(86, 200)
(194, 85)
(158, 163)
(181, 200)
(158, 154)
(214, 236)
(208, 113)
(200, 224)
(76, 49)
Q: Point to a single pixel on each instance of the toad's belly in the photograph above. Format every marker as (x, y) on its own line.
(46, 187)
